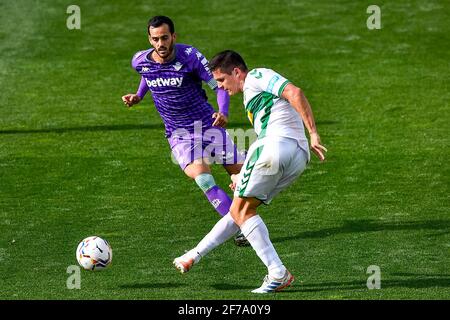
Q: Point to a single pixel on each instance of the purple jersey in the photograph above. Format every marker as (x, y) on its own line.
(176, 87)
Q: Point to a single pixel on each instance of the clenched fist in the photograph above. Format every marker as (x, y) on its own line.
(131, 99)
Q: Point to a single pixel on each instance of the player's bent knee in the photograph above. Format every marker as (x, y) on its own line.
(194, 169)
(242, 209)
(238, 217)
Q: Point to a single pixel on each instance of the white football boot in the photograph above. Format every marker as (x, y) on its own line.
(186, 261)
(273, 285)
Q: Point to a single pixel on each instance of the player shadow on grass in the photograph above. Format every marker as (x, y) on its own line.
(152, 285)
(358, 226)
(120, 127)
(248, 125)
(409, 280)
(230, 286)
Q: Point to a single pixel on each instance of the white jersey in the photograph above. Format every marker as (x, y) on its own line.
(270, 114)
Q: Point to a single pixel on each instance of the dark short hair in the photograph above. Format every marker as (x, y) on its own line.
(226, 61)
(158, 21)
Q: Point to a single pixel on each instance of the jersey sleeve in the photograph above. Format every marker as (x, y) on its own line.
(134, 61)
(268, 80)
(138, 57)
(201, 69)
(143, 88)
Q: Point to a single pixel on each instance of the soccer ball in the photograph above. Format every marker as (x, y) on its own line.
(94, 253)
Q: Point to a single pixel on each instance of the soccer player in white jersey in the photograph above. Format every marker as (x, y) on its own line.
(276, 108)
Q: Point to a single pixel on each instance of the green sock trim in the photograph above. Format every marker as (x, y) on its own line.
(205, 181)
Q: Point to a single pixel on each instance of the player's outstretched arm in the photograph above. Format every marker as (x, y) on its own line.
(298, 100)
(223, 101)
(131, 99)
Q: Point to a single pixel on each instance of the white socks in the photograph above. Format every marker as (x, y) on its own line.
(224, 229)
(257, 234)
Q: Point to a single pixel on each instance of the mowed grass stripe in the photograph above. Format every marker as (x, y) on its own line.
(74, 162)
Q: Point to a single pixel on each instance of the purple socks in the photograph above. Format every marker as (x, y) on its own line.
(219, 200)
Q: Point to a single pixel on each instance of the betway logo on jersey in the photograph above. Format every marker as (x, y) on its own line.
(160, 82)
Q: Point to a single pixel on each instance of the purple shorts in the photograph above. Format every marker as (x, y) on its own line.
(215, 145)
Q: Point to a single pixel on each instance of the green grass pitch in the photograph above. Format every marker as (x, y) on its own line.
(75, 162)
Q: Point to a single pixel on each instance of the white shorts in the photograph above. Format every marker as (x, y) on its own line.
(272, 164)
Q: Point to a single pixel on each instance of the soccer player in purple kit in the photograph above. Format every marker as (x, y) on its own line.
(174, 74)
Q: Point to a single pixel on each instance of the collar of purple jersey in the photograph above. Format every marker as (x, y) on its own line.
(147, 59)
